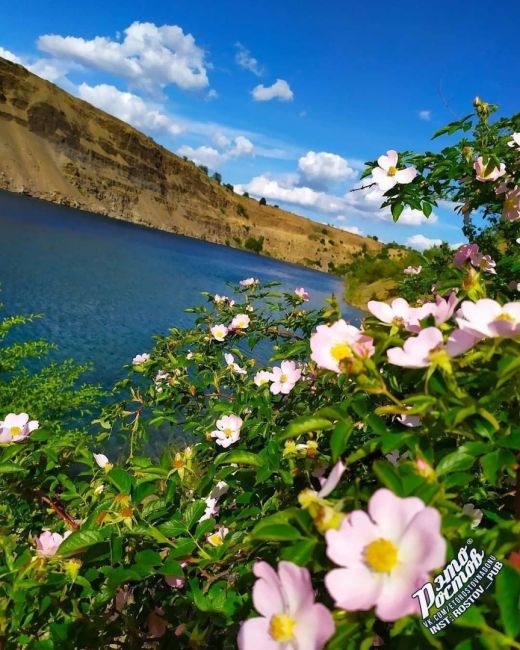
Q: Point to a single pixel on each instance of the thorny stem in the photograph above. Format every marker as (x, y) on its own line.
(61, 512)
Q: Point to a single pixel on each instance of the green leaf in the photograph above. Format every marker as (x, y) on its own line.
(121, 479)
(239, 456)
(455, 462)
(79, 540)
(397, 209)
(10, 468)
(306, 424)
(495, 462)
(301, 552)
(275, 532)
(340, 437)
(427, 209)
(508, 598)
(385, 472)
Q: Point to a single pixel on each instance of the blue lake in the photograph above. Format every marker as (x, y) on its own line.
(107, 286)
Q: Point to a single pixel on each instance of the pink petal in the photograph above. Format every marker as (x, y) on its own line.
(422, 545)
(407, 175)
(267, 594)
(333, 479)
(392, 514)
(395, 600)
(314, 627)
(254, 634)
(460, 341)
(380, 310)
(296, 586)
(345, 546)
(384, 181)
(354, 589)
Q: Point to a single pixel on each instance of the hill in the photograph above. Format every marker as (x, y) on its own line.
(59, 148)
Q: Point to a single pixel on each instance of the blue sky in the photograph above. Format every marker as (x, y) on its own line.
(285, 99)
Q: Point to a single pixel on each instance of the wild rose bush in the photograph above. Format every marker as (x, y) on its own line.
(317, 472)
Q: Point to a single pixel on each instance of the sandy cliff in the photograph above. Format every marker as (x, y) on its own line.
(56, 147)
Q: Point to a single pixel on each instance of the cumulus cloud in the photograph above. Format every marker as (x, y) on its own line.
(279, 90)
(244, 59)
(421, 243)
(425, 115)
(10, 56)
(321, 169)
(129, 108)
(213, 158)
(352, 229)
(149, 57)
(212, 94)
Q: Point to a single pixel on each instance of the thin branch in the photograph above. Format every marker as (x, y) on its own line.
(57, 508)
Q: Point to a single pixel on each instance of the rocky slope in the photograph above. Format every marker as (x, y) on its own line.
(59, 148)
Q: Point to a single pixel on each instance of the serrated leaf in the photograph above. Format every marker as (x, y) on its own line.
(79, 540)
(121, 479)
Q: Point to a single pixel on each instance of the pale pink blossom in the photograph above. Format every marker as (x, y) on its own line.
(47, 544)
(289, 618)
(333, 344)
(515, 141)
(222, 301)
(409, 420)
(284, 378)
(302, 294)
(421, 350)
(412, 270)
(398, 313)
(228, 430)
(212, 508)
(219, 332)
(16, 427)
(488, 171)
(240, 322)
(511, 207)
(217, 538)
(475, 514)
(328, 484)
(262, 377)
(478, 260)
(487, 318)
(140, 358)
(102, 461)
(385, 555)
(387, 175)
(230, 362)
(441, 310)
(249, 282)
(160, 378)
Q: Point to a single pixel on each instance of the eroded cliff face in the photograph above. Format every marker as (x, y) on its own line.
(56, 147)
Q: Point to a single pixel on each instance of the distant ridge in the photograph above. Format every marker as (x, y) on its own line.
(59, 148)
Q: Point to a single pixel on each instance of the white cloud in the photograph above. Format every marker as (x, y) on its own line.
(425, 115)
(353, 229)
(421, 243)
(129, 108)
(245, 60)
(212, 158)
(212, 94)
(10, 56)
(321, 169)
(149, 57)
(221, 140)
(279, 90)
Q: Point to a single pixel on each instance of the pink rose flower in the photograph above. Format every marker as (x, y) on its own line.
(412, 270)
(515, 141)
(262, 377)
(240, 322)
(332, 344)
(47, 544)
(465, 252)
(398, 313)
(301, 293)
(441, 310)
(228, 430)
(219, 332)
(385, 555)
(420, 351)
(289, 617)
(488, 171)
(284, 378)
(16, 427)
(511, 207)
(487, 317)
(140, 358)
(249, 282)
(230, 362)
(387, 175)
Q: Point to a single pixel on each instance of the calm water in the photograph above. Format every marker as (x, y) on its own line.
(107, 286)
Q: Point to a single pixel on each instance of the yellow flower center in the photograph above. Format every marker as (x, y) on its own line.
(16, 431)
(281, 628)
(228, 432)
(341, 351)
(509, 203)
(215, 539)
(283, 379)
(392, 171)
(398, 321)
(506, 317)
(381, 555)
